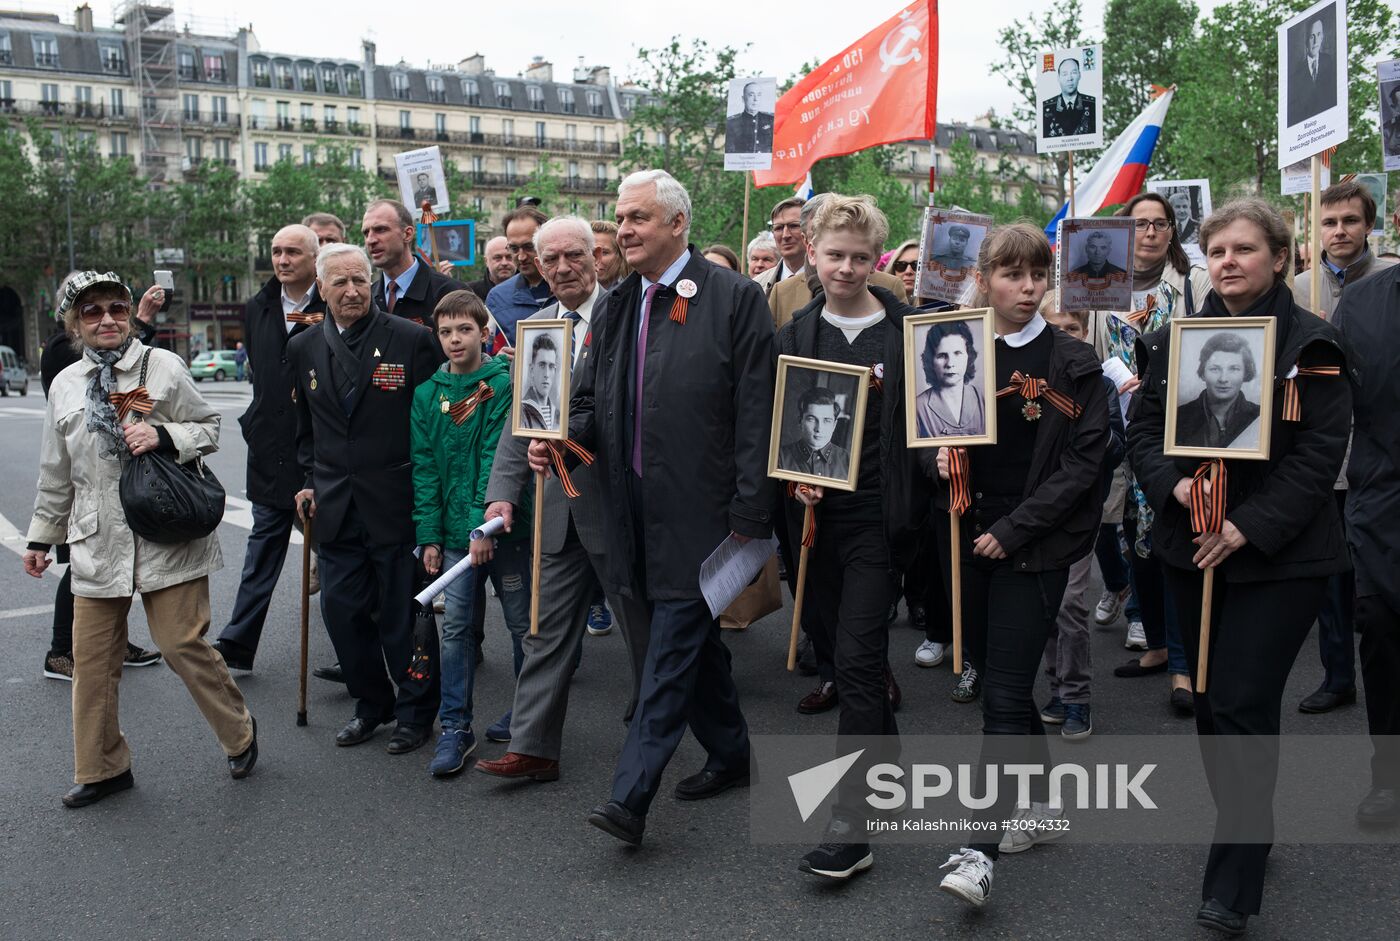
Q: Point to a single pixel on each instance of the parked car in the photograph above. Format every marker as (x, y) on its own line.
(16, 377)
(214, 364)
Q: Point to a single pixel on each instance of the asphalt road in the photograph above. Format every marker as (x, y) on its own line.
(324, 842)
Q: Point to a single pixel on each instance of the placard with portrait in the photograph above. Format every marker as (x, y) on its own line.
(950, 379)
(818, 422)
(1220, 385)
(540, 407)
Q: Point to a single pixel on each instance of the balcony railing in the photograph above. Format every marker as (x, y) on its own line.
(437, 95)
(46, 60)
(262, 81)
(531, 143)
(116, 67)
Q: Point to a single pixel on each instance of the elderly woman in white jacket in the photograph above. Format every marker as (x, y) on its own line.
(86, 436)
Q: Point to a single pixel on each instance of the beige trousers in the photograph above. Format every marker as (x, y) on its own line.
(179, 619)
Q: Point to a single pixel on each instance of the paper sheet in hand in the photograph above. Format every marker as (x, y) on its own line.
(730, 568)
(426, 596)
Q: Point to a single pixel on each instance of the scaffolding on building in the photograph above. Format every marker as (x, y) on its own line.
(151, 37)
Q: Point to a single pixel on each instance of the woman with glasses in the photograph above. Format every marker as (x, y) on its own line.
(904, 265)
(102, 411)
(1165, 285)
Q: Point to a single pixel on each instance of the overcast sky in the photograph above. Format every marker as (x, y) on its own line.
(782, 35)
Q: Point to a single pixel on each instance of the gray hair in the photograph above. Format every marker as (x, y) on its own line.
(337, 249)
(670, 194)
(578, 226)
(308, 237)
(809, 209)
(763, 240)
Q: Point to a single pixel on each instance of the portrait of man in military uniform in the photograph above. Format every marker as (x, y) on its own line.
(814, 451)
(1071, 113)
(954, 254)
(750, 130)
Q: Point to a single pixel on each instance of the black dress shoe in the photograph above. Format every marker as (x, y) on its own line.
(1183, 702)
(1134, 668)
(235, 657)
(408, 737)
(240, 766)
(1325, 701)
(84, 794)
(332, 673)
(1217, 917)
(918, 617)
(818, 700)
(708, 783)
(892, 690)
(615, 819)
(1379, 808)
(357, 730)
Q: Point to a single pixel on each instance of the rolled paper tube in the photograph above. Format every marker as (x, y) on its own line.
(426, 596)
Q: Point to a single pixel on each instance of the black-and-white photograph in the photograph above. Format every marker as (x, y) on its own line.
(1376, 184)
(1388, 81)
(1069, 98)
(455, 240)
(950, 378)
(1190, 202)
(1095, 264)
(1220, 387)
(421, 177)
(541, 405)
(818, 422)
(748, 123)
(948, 246)
(1312, 94)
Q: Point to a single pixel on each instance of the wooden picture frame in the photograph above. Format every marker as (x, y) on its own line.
(922, 408)
(527, 418)
(791, 446)
(1245, 361)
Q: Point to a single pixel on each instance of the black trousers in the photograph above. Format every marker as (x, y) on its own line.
(1336, 624)
(1380, 671)
(262, 566)
(1257, 630)
(366, 601)
(1012, 614)
(61, 643)
(926, 584)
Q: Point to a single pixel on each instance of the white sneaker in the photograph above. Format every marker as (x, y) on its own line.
(1110, 606)
(1137, 637)
(1035, 827)
(972, 880)
(930, 654)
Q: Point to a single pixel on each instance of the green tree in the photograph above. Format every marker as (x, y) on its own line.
(22, 258)
(1143, 45)
(975, 188)
(212, 226)
(543, 183)
(871, 172)
(289, 192)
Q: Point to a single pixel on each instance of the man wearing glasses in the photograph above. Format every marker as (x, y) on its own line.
(526, 292)
(786, 220)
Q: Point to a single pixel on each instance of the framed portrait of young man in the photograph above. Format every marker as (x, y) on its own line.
(818, 422)
(1094, 269)
(1220, 385)
(455, 241)
(540, 408)
(950, 379)
(948, 246)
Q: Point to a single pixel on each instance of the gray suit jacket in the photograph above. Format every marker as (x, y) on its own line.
(510, 475)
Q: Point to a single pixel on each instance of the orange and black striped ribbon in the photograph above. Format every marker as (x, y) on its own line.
(1031, 388)
(809, 519)
(1292, 406)
(959, 481)
(134, 401)
(301, 316)
(679, 309)
(461, 411)
(1208, 509)
(561, 470)
(1139, 317)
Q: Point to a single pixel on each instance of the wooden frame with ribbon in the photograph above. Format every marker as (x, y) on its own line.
(1249, 355)
(849, 388)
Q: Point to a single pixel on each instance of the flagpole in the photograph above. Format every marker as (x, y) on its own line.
(744, 242)
(1071, 186)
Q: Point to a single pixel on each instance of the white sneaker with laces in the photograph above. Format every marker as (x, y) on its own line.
(1110, 606)
(1137, 637)
(972, 880)
(930, 654)
(1035, 826)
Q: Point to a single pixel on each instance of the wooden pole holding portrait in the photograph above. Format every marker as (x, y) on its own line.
(1315, 237)
(744, 238)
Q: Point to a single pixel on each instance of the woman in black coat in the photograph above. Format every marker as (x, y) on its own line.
(1280, 541)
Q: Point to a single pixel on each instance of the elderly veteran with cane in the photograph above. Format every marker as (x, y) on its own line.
(94, 422)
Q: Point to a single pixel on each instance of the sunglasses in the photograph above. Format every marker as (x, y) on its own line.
(900, 267)
(93, 313)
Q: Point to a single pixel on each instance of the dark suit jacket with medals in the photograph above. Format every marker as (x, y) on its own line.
(1089, 271)
(1308, 96)
(1064, 120)
(420, 300)
(746, 133)
(363, 456)
(270, 423)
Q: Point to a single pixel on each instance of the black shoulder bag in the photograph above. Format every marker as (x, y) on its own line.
(166, 501)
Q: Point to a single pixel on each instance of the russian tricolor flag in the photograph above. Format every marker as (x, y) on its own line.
(1121, 171)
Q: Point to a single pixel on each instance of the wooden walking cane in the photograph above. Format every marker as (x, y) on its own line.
(809, 536)
(305, 607)
(536, 556)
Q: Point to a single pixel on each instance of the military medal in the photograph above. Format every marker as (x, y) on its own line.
(313, 380)
(446, 407)
(1031, 410)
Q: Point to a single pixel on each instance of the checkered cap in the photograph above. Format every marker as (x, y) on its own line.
(83, 280)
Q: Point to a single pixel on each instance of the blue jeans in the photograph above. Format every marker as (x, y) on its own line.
(1117, 573)
(510, 573)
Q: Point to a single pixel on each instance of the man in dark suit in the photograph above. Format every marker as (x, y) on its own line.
(406, 286)
(500, 266)
(424, 190)
(288, 305)
(1096, 263)
(750, 131)
(675, 402)
(355, 374)
(1312, 76)
(1069, 114)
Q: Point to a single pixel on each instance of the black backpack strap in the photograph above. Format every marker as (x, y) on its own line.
(1190, 299)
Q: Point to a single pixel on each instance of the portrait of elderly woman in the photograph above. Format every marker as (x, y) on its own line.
(1221, 415)
(100, 415)
(951, 403)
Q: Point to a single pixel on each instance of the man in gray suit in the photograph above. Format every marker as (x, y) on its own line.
(572, 537)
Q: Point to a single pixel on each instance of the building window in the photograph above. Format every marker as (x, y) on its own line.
(48, 98)
(189, 106)
(536, 96)
(539, 134)
(440, 126)
(213, 67)
(284, 115)
(471, 92)
(405, 120)
(331, 122)
(82, 100)
(602, 209)
(308, 77)
(284, 75)
(185, 65)
(352, 118)
(353, 83)
(284, 152)
(113, 56)
(479, 204)
(260, 155)
(474, 125)
(510, 170)
(400, 83)
(478, 165)
(508, 131)
(629, 103)
(262, 78)
(194, 149)
(503, 96)
(258, 119)
(118, 143)
(330, 80)
(7, 96)
(573, 171)
(223, 151)
(308, 154)
(218, 109)
(595, 103)
(45, 52)
(571, 136)
(357, 157)
(308, 117)
(7, 52)
(600, 172)
(598, 139)
(436, 92)
(566, 101)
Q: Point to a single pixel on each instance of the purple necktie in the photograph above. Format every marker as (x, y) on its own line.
(641, 363)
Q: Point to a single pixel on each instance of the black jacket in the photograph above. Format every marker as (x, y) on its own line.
(420, 300)
(480, 287)
(906, 492)
(1058, 518)
(1366, 319)
(1284, 506)
(364, 456)
(270, 423)
(708, 402)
